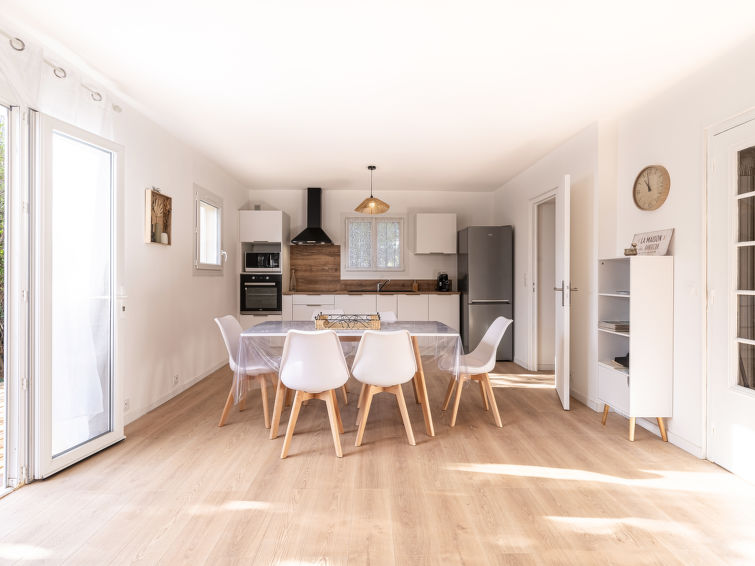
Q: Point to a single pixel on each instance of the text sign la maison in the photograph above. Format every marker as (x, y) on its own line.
(653, 243)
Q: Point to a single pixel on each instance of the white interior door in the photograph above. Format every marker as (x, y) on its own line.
(562, 290)
(731, 300)
(76, 309)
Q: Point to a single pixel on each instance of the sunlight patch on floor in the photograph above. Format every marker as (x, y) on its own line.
(612, 525)
(22, 552)
(721, 483)
(523, 380)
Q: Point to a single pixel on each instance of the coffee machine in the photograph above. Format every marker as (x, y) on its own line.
(443, 283)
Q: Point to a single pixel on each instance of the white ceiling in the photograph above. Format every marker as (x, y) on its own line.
(439, 95)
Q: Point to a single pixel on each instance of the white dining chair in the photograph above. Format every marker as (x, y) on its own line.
(312, 364)
(475, 366)
(344, 389)
(231, 330)
(384, 360)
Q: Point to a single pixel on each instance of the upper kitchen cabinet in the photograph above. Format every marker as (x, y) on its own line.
(263, 226)
(436, 233)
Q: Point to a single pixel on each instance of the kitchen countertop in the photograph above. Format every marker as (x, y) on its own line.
(370, 293)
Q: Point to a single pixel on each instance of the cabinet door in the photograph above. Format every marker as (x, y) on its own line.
(412, 307)
(287, 307)
(445, 309)
(247, 321)
(356, 304)
(260, 226)
(305, 312)
(436, 233)
(387, 303)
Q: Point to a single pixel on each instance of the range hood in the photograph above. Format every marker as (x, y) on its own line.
(313, 234)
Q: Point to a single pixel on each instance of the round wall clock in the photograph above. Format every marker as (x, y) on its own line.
(651, 187)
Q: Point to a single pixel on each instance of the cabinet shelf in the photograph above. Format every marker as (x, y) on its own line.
(625, 334)
(614, 294)
(610, 366)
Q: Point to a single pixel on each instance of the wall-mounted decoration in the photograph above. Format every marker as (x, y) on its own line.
(651, 187)
(158, 219)
(653, 243)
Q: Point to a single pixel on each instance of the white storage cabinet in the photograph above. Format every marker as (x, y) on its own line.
(263, 226)
(435, 233)
(304, 306)
(356, 304)
(445, 309)
(412, 307)
(639, 289)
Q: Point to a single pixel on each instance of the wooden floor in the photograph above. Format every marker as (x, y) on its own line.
(550, 487)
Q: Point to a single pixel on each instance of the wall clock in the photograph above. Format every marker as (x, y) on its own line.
(651, 187)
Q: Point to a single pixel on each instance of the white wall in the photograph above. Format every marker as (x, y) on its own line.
(577, 157)
(169, 318)
(671, 130)
(472, 209)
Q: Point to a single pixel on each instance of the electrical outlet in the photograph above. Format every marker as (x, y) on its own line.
(175, 379)
(126, 405)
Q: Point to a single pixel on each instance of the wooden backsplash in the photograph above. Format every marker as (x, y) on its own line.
(318, 268)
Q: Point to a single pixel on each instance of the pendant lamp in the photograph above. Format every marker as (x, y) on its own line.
(372, 205)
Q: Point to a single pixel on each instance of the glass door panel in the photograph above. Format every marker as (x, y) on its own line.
(745, 300)
(81, 292)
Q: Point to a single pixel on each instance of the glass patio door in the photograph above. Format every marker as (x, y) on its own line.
(76, 307)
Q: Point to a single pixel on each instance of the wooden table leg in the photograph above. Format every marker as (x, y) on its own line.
(605, 414)
(662, 426)
(422, 389)
(631, 429)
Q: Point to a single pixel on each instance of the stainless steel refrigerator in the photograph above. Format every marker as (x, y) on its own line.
(486, 282)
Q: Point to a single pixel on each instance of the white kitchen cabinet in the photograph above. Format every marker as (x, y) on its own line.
(435, 233)
(304, 306)
(263, 226)
(387, 303)
(412, 307)
(445, 309)
(249, 320)
(287, 307)
(640, 290)
(356, 304)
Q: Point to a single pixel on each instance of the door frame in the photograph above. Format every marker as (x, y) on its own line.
(542, 198)
(44, 464)
(711, 132)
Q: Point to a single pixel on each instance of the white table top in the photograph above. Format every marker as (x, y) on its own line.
(415, 328)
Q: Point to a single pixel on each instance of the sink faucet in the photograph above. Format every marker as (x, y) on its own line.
(382, 285)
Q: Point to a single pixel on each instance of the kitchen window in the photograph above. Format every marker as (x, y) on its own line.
(374, 244)
(208, 230)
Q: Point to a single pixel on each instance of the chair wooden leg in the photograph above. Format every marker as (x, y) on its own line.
(459, 387)
(330, 400)
(227, 408)
(662, 426)
(416, 390)
(631, 429)
(263, 390)
(405, 415)
(292, 423)
(280, 393)
(338, 411)
(345, 397)
(242, 402)
(365, 413)
(484, 396)
(360, 403)
(605, 414)
(491, 400)
(289, 397)
(450, 391)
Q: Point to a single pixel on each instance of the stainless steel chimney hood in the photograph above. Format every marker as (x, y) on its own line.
(313, 234)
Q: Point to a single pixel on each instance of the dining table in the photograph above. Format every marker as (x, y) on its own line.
(435, 344)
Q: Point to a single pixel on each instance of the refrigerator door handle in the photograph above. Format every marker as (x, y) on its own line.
(489, 301)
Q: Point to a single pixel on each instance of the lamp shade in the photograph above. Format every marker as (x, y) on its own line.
(372, 205)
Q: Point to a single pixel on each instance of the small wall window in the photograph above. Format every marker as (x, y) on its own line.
(208, 230)
(374, 244)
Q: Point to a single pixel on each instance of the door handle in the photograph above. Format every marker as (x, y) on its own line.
(561, 289)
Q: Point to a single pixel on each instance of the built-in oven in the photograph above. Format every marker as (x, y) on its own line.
(262, 262)
(260, 293)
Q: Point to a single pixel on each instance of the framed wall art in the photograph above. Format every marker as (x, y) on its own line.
(158, 219)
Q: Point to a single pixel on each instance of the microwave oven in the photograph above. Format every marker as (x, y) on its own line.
(262, 262)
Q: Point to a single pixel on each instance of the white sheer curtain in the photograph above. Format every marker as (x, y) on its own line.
(28, 78)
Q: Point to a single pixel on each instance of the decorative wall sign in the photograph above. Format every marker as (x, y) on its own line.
(158, 219)
(653, 243)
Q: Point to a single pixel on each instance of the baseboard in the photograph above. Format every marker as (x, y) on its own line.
(582, 398)
(134, 414)
(522, 363)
